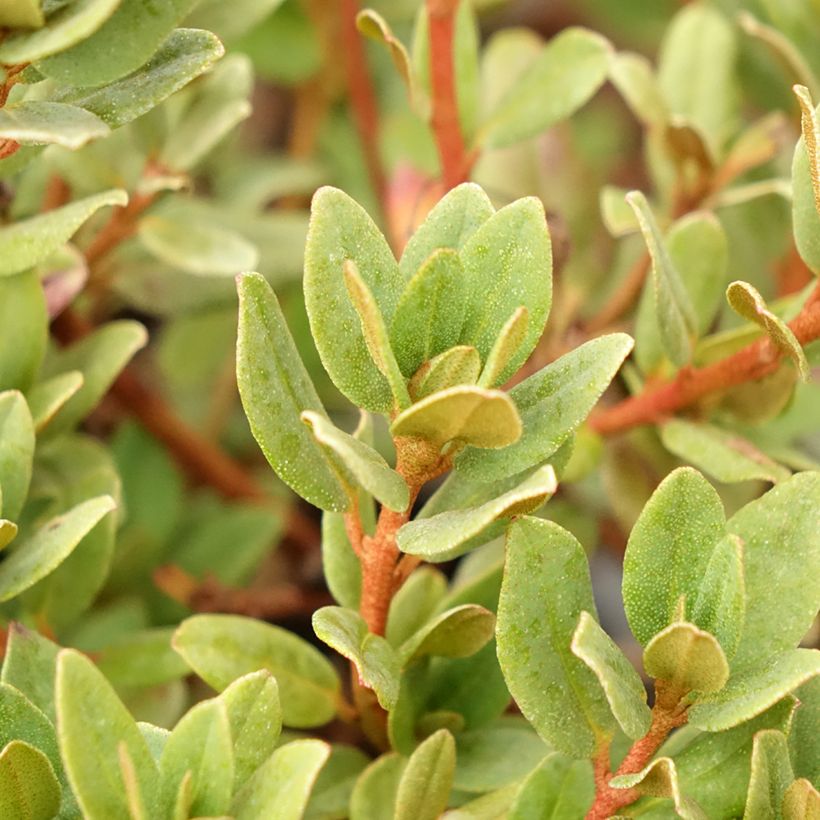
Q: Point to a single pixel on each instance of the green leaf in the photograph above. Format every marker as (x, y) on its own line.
(340, 230)
(620, 681)
(99, 59)
(231, 22)
(424, 788)
(669, 551)
(675, 315)
(804, 732)
(22, 720)
(546, 587)
(567, 72)
(660, 779)
(186, 54)
(746, 301)
(183, 242)
(448, 534)
(553, 402)
(414, 604)
(69, 25)
(280, 788)
(8, 532)
(456, 633)
(92, 724)
(450, 224)
(458, 365)
(786, 516)
(49, 546)
(497, 755)
(430, 312)
(22, 14)
(376, 661)
(30, 241)
(40, 122)
(222, 648)
(141, 658)
(748, 694)
(771, 775)
(24, 318)
(509, 340)
(375, 333)
(686, 659)
(100, 357)
(373, 25)
(200, 748)
(331, 794)
(28, 787)
(508, 262)
(275, 389)
(341, 567)
(801, 801)
(49, 396)
(29, 665)
(374, 795)
(806, 184)
(559, 787)
(725, 456)
(696, 72)
(634, 77)
(463, 414)
(255, 720)
(16, 453)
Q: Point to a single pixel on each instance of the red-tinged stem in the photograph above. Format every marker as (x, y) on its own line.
(362, 95)
(751, 363)
(455, 163)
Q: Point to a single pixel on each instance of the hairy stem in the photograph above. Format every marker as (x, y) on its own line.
(753, 362)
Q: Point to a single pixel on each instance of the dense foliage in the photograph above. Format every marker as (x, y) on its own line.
(532, 317)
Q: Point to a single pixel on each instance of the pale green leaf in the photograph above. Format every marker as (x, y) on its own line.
(746, 301)
(72, 23)
(660, 779)
(725, 456)
(414, 604)
(255, 719)
(686, 659)
(183, 242)
(40, 122)
(771, 775)
(8, 532)
(748, 694)
(373, 25)
(24, 318)
(47, 397)
(22, 720)
(430, 312)
(29, 665)
(49, 546)
(22, 14)
(374, 795)
(28, 787)
(275, 389)
(376, 661)
(91, 724)
(100, 59)
(567, 72)
(620, 681)
(448, 534)
(100, 357)
(675, 315)
(330, 797)
(458, 365)
(341, 567)
(341, 230)
(781, 549)
(424, 788)
(463, 414)
(280, 788)
(450, 224)
(616, 214)
(507, 263)
(489, 806)
(200, 744)
(634, 77)
(375, 333)
(804, 732)
(559, 787)
(806, 184)
(801, 801)
(510, 339)
(553, 402)
(16, 453)
(546, 587)
(456, 633)
(184, 55)
(31, 241)
(222, 648)
(231, 21)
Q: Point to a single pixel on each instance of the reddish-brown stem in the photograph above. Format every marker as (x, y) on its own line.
(455, 163)
(751, 363)
(667, 715)
(121, 225)
(362, 95)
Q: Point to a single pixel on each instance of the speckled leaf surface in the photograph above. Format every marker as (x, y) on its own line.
(424, 787)
(41, 122)
(771, 775)
(660, 779)
(546, 586)
(340, 229)
(28, 788)
(509, 340)
(458, 365)
(559, 787)
(456, 633)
